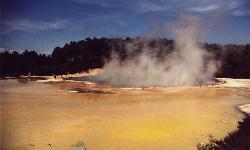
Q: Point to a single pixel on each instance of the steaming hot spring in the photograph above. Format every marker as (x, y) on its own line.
(148, 101)
(68, 114)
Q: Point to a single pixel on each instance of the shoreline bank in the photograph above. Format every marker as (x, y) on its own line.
(245, 109)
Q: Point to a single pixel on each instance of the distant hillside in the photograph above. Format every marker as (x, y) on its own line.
(92, 53)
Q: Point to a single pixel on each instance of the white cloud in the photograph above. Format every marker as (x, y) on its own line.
(241, 13)
(2, 49)
(30, 25)
(9, 50)
(96, 2)
(204, 8)
(234, 5)
(150, 7)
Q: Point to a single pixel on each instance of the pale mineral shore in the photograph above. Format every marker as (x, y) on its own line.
(245, 108)
(238, 83)
(62, 77)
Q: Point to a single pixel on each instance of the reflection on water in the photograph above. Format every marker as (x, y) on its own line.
(39, 116)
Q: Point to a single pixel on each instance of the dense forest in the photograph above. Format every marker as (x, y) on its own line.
(92, 53)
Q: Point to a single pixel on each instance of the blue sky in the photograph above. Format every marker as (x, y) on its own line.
(42, 25)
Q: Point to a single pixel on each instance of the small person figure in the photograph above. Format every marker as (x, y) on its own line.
(32, 146)
(79, 144)
(50, 146)
(29, 75)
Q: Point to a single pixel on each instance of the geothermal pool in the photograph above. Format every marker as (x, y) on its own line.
(47, 116)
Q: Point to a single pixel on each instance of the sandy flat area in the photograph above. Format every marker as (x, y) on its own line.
(37, 114)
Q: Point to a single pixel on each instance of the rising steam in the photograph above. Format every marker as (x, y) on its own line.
(187, 64)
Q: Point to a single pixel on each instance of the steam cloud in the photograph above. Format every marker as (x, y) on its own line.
(187, 64)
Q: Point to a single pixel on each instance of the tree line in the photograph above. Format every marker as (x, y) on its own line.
(92, 53)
